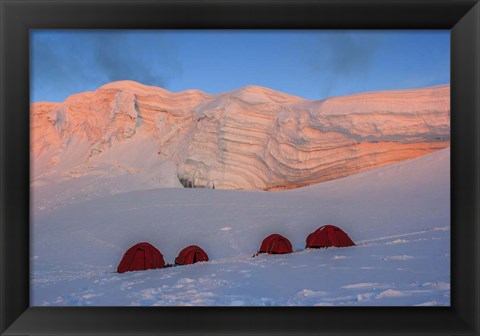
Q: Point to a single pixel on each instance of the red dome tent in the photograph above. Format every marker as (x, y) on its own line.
(190, 255)
(275, 244)
(140, 257)
(327, 236)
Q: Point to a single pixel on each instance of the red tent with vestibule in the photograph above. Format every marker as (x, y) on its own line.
(190, 255)
(140, 257)
(275, 244)
(328, 236)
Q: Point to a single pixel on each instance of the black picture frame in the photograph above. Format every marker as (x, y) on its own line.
(17, 17)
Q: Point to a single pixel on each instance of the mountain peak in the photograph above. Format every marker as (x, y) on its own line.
(131, 86)
(261, 94)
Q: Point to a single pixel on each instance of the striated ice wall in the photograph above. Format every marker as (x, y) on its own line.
(250, 138)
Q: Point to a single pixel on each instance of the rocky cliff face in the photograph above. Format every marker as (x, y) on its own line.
(250, 138)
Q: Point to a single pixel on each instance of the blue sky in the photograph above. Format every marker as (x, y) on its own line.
(312, 64)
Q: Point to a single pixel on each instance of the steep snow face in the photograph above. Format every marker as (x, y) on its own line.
(398, 216)
(252, 138)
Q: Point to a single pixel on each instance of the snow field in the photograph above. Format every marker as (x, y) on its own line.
(399, 217)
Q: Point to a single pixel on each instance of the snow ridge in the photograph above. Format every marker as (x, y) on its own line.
(252, 138)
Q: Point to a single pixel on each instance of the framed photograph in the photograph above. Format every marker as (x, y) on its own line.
(272, 167)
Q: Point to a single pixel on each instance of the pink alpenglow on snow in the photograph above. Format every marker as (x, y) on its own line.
(252, 138)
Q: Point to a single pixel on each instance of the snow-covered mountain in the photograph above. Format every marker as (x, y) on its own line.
(252, 138)
(108, 168)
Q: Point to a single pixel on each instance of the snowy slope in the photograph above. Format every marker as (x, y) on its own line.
(398, 215)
